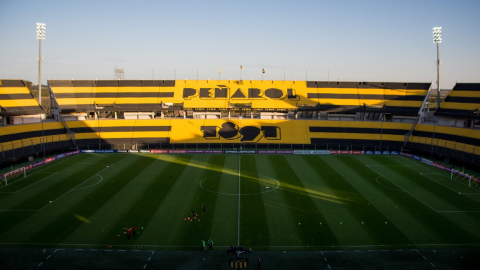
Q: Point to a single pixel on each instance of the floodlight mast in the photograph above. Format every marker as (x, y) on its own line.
(437, 38)
(40, 36)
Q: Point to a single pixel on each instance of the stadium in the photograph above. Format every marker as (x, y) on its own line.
(341, 165)
(220, 173)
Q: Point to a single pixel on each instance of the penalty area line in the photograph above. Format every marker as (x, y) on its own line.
(74, 188)
(403, 189)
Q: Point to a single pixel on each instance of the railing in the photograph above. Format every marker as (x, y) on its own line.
(69, 132)
(250, 146)
(446, 149)
(35, 146)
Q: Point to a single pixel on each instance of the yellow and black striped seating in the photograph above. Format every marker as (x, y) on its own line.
(462, 102)
(201, 95)
(16, 99)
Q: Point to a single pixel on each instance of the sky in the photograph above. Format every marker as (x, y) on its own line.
(297, 40)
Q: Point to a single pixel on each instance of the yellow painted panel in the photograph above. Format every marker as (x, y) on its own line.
(206, 103)
(460, 106)
(82, 136)
(150, 134)
(112, 89)
(116, 135)
(464, 94)
(191, 131)
(90, 101)
(79, 124)
(14, 90)
(18, 102)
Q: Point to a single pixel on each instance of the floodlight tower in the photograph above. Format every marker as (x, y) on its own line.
(40, 36)
(437, 38)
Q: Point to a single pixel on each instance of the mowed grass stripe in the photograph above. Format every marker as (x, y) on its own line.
(445, 198)
(254, 229)
(446, 231)
(170, 225)
(382, 207)
(68, 177)
(36, 196)
(37, 174)
(65, 224)
(224, 229)
(22, 183)
(204, 227)
(359, 207)
(11, 218)
(300, 207)
(381, 193)
(162, 177)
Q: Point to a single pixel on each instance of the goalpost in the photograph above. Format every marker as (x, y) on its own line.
(12, 174)
(462, 174)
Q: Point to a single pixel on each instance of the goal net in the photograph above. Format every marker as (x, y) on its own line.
(13, 175)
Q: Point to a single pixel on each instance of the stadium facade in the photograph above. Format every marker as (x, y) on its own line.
(212, 114)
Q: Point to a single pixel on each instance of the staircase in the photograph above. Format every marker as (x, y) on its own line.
(69, 132)
(409, 134)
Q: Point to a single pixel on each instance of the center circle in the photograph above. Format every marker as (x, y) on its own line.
(220, 184)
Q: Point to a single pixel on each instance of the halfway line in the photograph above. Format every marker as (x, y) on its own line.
(239, 166)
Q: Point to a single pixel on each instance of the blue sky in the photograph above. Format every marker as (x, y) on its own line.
(346, 40)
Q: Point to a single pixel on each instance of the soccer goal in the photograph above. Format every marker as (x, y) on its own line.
(13, 175)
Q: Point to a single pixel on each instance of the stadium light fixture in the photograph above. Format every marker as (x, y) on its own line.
(437, 38)
(437, 34)
(40, 35)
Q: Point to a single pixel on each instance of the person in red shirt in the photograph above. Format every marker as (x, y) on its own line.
(133, 229)
(128, 234)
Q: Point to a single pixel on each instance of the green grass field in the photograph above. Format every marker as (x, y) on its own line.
(263, 202)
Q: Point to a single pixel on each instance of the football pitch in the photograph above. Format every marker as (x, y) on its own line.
(263, 202)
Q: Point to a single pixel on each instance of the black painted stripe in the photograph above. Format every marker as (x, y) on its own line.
(124, 140)
(469, 114)
(108, 107)
(467, 87)
(15, 96)
(121, 129)
(368, 85)
(115, 94)
(20, 110)
(362, 96)
(357, 108)
(31, 134)
(111, 83)
(463, 99)
(359, 130)
(447, 137)
(348, 142)
(11, 83)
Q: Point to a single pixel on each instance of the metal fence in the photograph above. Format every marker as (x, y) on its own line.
(250, 146)
(20, 150)
(442, 149)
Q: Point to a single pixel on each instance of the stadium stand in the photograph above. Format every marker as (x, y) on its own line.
(16, 99)
(81, 96)
(181, 114)
(454, 133)
(462, 102)
(232, 112)
(17, 141)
